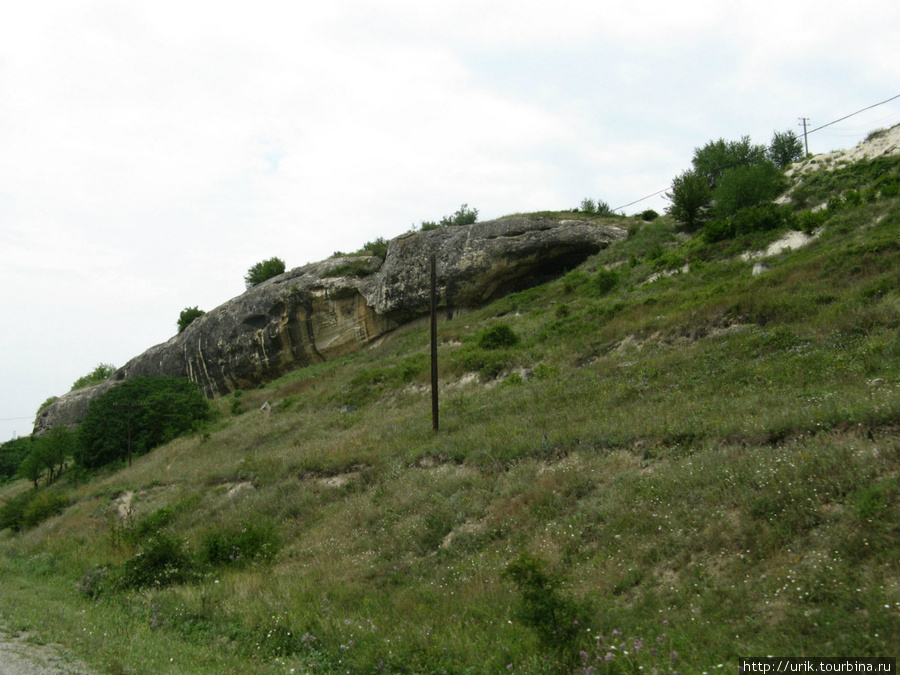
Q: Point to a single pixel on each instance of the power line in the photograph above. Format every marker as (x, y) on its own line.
(856, 113)
(11, 419)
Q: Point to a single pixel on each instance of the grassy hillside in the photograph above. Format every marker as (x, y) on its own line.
(671, 468)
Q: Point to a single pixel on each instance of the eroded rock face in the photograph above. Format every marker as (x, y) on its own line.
(304, 316)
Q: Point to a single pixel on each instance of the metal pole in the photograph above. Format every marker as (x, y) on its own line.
(434, 363)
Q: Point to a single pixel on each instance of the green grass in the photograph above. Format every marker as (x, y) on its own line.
(706, 463)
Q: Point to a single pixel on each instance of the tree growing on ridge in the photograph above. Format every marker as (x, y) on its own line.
(785, 148)
(187, 316)
(264, 270)
(690, 198)
(716, 157)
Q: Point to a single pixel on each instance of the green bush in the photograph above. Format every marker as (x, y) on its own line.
(149, 411)
(100, 374)
(31, 508)
(649, 215)
(12, 454)
(556, 617)
(43, 505)
(252, 542)
(746, 186)
(605, 280)
(356, 268)
(162, 561)
(263, 271)
(497, 337)
(462, 216)
(188, 316)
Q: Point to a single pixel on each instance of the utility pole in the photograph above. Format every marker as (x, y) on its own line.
(434, 364)
(803, 121)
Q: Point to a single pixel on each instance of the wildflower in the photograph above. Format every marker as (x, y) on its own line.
(609, 656)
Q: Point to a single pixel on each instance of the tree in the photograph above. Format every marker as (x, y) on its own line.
(785, 149)
(746, 186)
(32, 469)
(690, 197)
(12, 454)
(100, 374)
(187, 316)
(53, 449)
(716, 157)
(136, 416)
(264, 270)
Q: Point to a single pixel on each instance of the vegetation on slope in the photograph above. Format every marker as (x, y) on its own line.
(638, 468)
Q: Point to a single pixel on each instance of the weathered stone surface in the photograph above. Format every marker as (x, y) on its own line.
(304, 316)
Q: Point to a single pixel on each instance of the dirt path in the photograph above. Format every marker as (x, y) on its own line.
(19, 656)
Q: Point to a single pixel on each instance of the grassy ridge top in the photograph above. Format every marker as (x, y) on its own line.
(697, 463)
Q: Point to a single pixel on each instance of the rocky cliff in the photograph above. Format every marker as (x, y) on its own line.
(309, 315)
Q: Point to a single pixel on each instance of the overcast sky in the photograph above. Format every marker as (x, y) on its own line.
(151, 152)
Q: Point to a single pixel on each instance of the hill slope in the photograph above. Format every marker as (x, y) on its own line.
(669, 470)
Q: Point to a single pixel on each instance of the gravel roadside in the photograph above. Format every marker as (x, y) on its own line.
(19, 656)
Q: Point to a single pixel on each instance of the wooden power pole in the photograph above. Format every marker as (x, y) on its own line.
(434, 363)
(803, 121)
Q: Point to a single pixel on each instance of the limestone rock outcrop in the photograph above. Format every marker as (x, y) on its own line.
(309, 314)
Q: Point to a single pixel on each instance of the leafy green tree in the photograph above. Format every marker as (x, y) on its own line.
(32, 469)
(746, 186)
(12, 454)
(588, 206)
(785, 149)
(690, 198)
(136, 416)
(187, 317)
(716, 157)
(100, 374)
(263, 271)
(53, 449)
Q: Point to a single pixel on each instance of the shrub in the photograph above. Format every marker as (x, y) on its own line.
(253, 542)
(605, 280)
(187, 317)
(263, 271)
(649, 215)
(42, 506)
(746, 186)
(12, 454)
(30, 509)
(556, 618)
(497, 337)
(160, 562)
(588, 206)
(50, 400)
(149, 411)
(356, 268)
(377, 248)
(100, 374)
(462, 216)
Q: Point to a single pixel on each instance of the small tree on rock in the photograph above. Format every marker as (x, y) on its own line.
(263, 271)
(187, 316)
